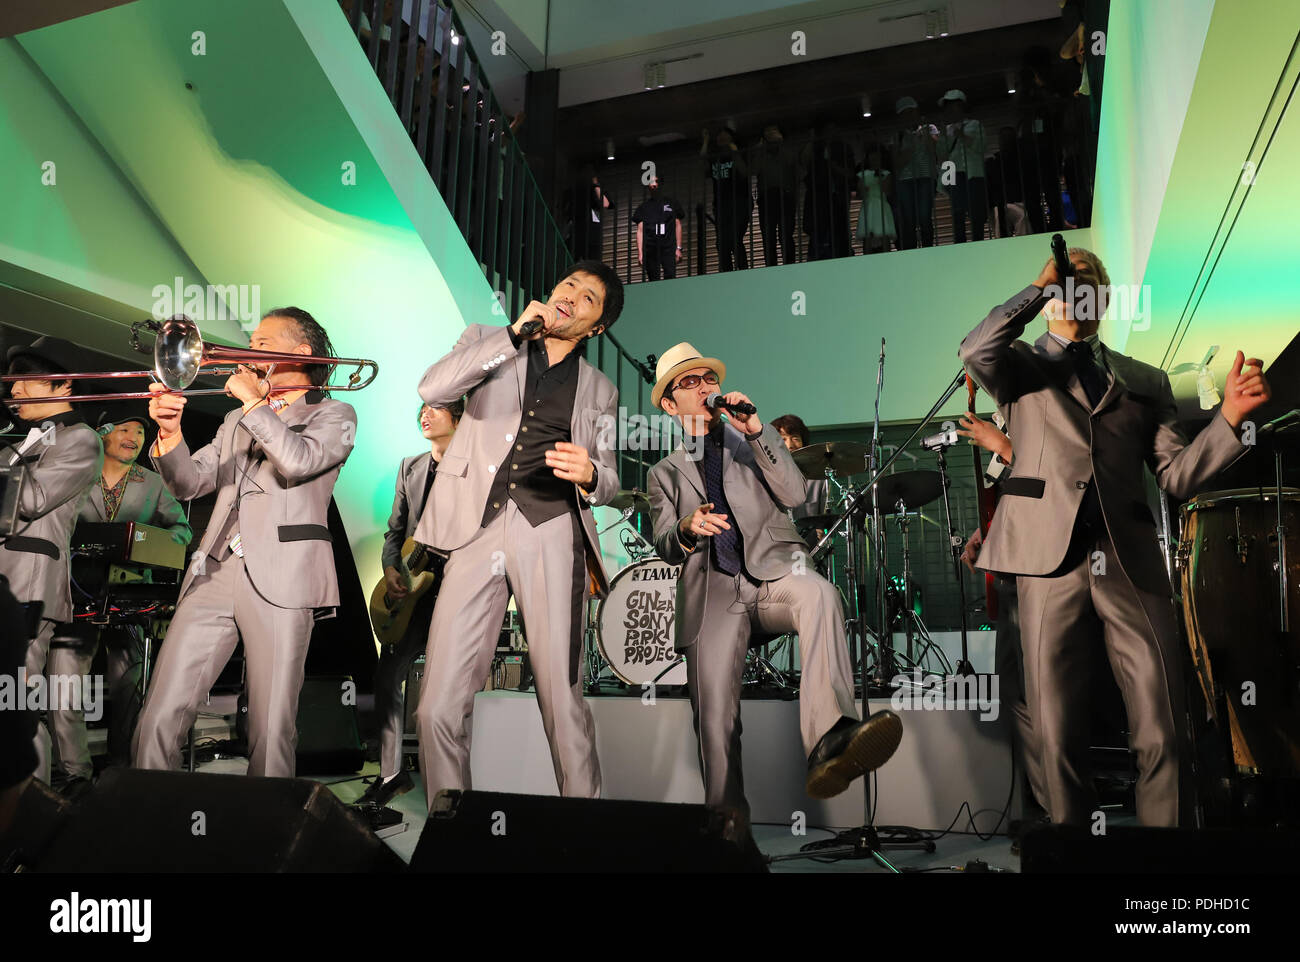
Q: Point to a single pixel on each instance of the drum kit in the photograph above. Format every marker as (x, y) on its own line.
(900, 496)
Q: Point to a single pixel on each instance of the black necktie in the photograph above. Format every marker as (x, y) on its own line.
(726, 542)
(1094, 385)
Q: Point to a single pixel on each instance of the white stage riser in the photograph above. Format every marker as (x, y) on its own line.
(649, 752)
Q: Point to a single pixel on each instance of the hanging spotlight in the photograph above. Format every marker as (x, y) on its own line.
(609, 149)
(1011, 81)
(866, 105)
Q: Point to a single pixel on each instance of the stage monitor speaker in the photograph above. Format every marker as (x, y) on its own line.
(40, 814)
(1123, 850)
(144, 821)
(471, 831)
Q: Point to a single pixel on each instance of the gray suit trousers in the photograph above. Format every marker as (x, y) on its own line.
(1009, 662)
(68, 726)
(390, 674)
(804, 603)
(1063, 618)
(545, 568)
(38, 651)
(222, 606)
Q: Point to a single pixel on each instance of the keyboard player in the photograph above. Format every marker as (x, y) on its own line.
(124, 491)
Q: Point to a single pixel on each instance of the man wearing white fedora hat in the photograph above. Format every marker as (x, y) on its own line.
(719, 503)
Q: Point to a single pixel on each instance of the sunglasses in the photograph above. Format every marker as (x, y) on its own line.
(692, 381)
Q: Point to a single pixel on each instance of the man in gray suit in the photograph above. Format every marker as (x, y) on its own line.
(414, 479)
(1074, 526)
(124, 491)
(511, 505)
(732, 484)
(62, 458)
(264, 570)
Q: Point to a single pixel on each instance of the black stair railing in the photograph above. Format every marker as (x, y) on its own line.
(438, 89)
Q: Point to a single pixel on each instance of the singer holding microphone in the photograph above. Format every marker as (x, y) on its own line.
(511, 508)
(1075, 530)
(719, 502)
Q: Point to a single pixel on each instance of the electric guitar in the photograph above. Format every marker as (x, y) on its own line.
(391, 616)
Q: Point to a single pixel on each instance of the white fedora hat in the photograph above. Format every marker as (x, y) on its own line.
(678, 358)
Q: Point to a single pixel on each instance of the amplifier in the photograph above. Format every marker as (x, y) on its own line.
(129, 541)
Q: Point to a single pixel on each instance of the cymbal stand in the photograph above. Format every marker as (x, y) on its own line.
(913, 625)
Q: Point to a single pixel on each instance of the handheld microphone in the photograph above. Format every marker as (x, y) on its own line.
(530, 327)
(715, 400)
(1063, 266)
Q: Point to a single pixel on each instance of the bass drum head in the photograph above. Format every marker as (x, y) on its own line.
(634, 625)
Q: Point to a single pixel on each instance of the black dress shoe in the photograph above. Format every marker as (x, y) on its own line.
(381, 792)
(850, 749)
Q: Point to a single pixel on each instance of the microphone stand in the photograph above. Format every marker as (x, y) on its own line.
(864, 841)
(885, 666)
(823, 545)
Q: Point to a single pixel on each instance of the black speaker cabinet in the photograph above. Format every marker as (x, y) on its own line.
(140, 821)
(499, 832)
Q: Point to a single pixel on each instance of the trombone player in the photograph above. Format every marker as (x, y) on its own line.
(61, 466)
(264, 570)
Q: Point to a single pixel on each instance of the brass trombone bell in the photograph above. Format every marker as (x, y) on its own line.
(180, 355)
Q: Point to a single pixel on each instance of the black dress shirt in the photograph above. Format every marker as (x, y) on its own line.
(549, 394)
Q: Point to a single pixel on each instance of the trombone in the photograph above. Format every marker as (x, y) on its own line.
(180, 355)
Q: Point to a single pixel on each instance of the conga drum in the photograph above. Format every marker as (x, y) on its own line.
(1247, 668)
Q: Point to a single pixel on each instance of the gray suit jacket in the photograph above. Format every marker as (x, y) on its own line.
(486, 366)
(1061, 445)
(762, 483)
(36, 559)
(283, 499)
(146, 500)
(815, 502)
(408, 505)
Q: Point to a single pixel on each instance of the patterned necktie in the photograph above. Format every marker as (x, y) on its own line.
(1094, 385)
(726, 543)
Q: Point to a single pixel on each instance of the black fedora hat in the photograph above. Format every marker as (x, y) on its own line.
(55, 351)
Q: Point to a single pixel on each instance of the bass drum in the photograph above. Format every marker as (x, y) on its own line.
(635, 625)
(1246, 667)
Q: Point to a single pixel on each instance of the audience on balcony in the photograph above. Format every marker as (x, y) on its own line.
(777, 169)
(725, 165)
(875, 215)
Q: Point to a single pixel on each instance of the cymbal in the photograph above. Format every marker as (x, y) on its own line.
(843, 457)
(913, 488)
(630, 498)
